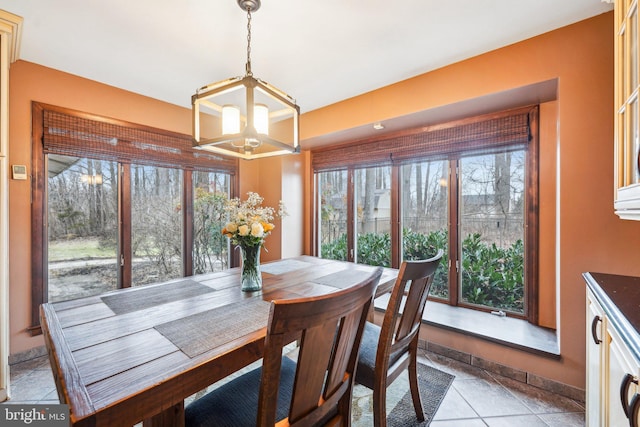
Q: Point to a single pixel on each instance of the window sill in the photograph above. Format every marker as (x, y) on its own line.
(507, 331)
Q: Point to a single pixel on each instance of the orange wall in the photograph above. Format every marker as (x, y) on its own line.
(576, 169)
(278, 179)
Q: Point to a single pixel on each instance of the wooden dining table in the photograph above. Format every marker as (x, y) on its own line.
(133, 355)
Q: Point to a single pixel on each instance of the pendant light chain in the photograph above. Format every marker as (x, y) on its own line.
(248, 66)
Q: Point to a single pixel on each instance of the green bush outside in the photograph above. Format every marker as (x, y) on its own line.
(422, 246)
(491, 276)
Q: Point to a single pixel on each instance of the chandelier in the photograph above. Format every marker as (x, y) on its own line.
(245, 117)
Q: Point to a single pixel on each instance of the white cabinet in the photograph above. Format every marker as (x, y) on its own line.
(613, 356)
(621, 382)
(595, 361)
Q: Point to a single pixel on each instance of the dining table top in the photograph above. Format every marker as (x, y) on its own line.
(135, 354)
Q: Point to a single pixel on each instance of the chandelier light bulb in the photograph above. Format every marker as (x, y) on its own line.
(230, 120)
(261, 119)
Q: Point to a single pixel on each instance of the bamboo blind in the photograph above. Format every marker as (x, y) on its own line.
(505, 131)
(79, 134)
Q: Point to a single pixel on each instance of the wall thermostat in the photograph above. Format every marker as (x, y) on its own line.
(19, 172)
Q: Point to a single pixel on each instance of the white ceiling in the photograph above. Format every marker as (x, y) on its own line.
(319, 52)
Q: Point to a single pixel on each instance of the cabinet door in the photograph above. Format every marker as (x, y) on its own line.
(595, 362)
(621, 363)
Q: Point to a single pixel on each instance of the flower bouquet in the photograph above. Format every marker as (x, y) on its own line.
(249, 224)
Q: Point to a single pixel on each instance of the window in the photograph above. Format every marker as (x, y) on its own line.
(332, 229)
(156, 224)
(425, 216)
(373, 215)
(366, 240)
(117, 204)
(82, 200)
(467, 187)
(210, 248)
(491, 218)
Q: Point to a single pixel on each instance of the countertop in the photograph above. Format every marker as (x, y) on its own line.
(620, 299)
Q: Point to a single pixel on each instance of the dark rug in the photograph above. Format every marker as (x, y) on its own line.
(434, 385)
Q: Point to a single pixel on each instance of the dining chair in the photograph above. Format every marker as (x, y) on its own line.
(314, 390)
(387, 350)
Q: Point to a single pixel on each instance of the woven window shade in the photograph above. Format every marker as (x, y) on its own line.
(504, 131)
(80, 135)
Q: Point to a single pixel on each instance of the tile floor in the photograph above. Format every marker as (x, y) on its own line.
(476, 397)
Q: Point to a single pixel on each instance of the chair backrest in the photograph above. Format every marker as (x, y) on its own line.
(401, 323)
(329, 328)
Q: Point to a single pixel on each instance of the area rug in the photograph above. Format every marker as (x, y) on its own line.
(433, 384)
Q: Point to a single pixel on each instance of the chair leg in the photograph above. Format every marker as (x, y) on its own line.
(343, 419)
(380, 404)
(413, 385)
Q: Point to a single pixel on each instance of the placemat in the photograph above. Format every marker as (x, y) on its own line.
(201, 332)
(342, 279)
(148, 296)
(283, 266)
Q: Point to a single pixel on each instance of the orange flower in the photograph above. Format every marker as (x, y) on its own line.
(267, 226)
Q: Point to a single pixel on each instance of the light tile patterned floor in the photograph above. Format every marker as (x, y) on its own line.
(476, 397)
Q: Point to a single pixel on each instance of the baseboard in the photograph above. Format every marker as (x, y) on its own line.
(23, 356)
(546, 384)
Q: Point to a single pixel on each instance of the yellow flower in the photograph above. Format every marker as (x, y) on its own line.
(249, 222)
(257, 230)
(244, 230)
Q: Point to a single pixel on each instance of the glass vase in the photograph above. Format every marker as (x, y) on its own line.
(250, 274)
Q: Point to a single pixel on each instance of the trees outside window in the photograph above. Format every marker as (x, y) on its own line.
(373, 215)
(333, 207)
(83, 244)
(425, 216)
(492, 230)
(211, 190)
(82, 227)
(156, 224)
